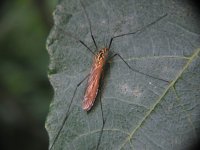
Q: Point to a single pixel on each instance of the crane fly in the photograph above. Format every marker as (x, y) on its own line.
(100, 59)
(94, 79)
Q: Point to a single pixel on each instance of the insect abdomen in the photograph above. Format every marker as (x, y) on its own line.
(92, 89)
(94, 79)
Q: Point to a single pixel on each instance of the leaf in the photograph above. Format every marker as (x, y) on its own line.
(140, 112)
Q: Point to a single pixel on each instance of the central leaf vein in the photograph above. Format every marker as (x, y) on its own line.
(160, 98)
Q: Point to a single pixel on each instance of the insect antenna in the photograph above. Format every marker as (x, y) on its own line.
(67, 113)
(138, 30)
(90, 26)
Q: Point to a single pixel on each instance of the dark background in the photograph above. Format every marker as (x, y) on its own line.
(25, 92)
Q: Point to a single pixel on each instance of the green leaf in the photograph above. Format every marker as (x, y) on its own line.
(140, 112)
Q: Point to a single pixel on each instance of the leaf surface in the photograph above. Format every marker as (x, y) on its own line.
(140, 112)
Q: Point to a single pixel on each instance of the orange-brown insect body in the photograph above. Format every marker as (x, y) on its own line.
(94, 78)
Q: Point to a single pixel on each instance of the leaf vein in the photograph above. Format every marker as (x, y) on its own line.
(160, 98)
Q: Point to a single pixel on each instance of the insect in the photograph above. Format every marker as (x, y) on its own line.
(94, 78)
(101, 58)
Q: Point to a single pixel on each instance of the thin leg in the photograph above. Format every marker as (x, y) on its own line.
(86, 47)
(102, 115)
(138, 30)
(74, 37)
(66, 117)
(90, 26)
(135, 69)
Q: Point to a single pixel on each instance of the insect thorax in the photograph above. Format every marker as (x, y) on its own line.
(101, 56)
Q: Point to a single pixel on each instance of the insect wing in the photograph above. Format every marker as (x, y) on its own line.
(92, 88)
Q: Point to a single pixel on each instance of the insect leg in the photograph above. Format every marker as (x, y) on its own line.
(75, 38)
(86, 47)
(138, 30)
(67, 114)
(116, 54)
(99, 140)
(90, 26)
(102, 115)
